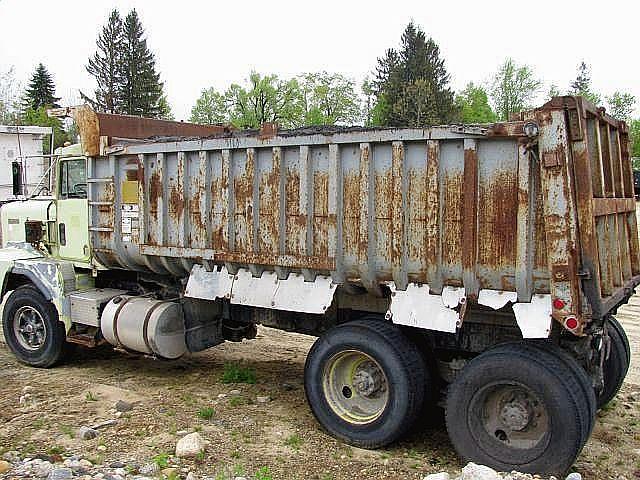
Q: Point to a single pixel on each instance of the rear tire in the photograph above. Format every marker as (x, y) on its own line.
(32, 329)
(364, 382)
(616, 365)
(518, 407)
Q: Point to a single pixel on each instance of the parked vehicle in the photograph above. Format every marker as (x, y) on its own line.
(482, 263)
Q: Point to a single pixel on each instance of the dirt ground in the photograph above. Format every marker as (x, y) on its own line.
(245, 435)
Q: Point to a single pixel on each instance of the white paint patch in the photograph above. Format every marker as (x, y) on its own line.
(534, 318)
(296, 295)
(496, 299)
(416, 307)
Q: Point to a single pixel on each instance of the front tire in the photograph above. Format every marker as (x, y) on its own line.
(365, 382)
(32, 329)
(513, 408)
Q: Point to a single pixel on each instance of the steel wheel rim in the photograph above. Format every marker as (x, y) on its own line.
(29, 328)
(513, 416)
(355, 387)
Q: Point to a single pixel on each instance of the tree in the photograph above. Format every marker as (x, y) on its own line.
(164, 109)
(634, 137)
(9, 97)
(473, 104)
(582, 84)
(329, 99)
(141, 90)
(39, 117)
(41, 91)
(554, 91)
(415, 73)
(210, 108)
(105, 66)
(513, 88)
(621, 105)
(266, 99)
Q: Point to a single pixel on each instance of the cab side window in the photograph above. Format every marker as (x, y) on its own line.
(73, 178)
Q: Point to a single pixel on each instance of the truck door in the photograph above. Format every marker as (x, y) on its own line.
(72, 211)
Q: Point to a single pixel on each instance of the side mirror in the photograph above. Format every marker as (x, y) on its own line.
(16, 171)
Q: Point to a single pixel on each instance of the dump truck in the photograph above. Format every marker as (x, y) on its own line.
(472, 267)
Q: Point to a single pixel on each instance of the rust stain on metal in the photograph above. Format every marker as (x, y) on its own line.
(268, 130)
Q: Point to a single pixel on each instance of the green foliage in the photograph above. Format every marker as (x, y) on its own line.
(161, 460)
(235, 373)
(513, 88)
(263, 474)
(634, 136)
(141, 89)
(620, 105)
(265, 99)
(473, 105)
(329, 99)
(90, 397)
(9, 97)
(210, 108)
(554, 91)
(294, 441)
(582, 84)
(41, 91)
(40, 118)
(412, 84)
(125, 72)
(105, 65)
(206, 413)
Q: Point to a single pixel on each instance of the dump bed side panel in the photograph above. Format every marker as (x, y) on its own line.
(441, 206)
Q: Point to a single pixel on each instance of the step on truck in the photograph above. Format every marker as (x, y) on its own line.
(475, 267)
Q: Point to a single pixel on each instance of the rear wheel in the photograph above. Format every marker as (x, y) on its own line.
(516, 408)
(364, 382)
(32, 329)
(616, 365)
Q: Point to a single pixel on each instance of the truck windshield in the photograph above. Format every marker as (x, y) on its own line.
(73, 178)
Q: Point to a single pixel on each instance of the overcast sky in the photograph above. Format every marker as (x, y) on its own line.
(202, 44)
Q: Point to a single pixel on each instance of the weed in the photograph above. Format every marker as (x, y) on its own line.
(200, 456)
(206, 413)
(55, 450)
(235, 454)
(161, 460)
(263, 474)
(235, 373)
(294, 441)
(90, 397)
(238, 400)
(68, 431)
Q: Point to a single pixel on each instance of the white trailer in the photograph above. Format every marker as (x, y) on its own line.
(22, 144)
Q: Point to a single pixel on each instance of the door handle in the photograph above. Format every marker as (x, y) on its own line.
(62, 235)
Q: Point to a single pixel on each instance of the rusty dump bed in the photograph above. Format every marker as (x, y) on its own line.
(480, 207)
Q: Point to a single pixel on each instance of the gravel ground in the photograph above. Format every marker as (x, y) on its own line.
(41, 412)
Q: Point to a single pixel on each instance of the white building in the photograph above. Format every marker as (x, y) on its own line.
(25, 141)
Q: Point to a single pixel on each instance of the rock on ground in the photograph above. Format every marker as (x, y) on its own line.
(473, 471)
(190, 445)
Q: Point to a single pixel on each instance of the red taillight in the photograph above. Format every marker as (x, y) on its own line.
(571, 323)
(558, 304)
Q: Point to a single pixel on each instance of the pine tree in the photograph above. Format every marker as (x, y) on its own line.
(41, 91)
(141, 90)
(582, 84)
(413, 83)
(104, 66)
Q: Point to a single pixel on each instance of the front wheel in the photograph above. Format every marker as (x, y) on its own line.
(32, 329)
(365, 382)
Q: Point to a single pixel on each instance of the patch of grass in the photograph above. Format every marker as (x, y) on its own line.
(239, 400)
(263, 474)
(294, 441)
(200, 456)
(55, 450)
(68, 431)
(236, 373)
(90, 397)
(161, 460)
(39, 422)
(206, 413)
